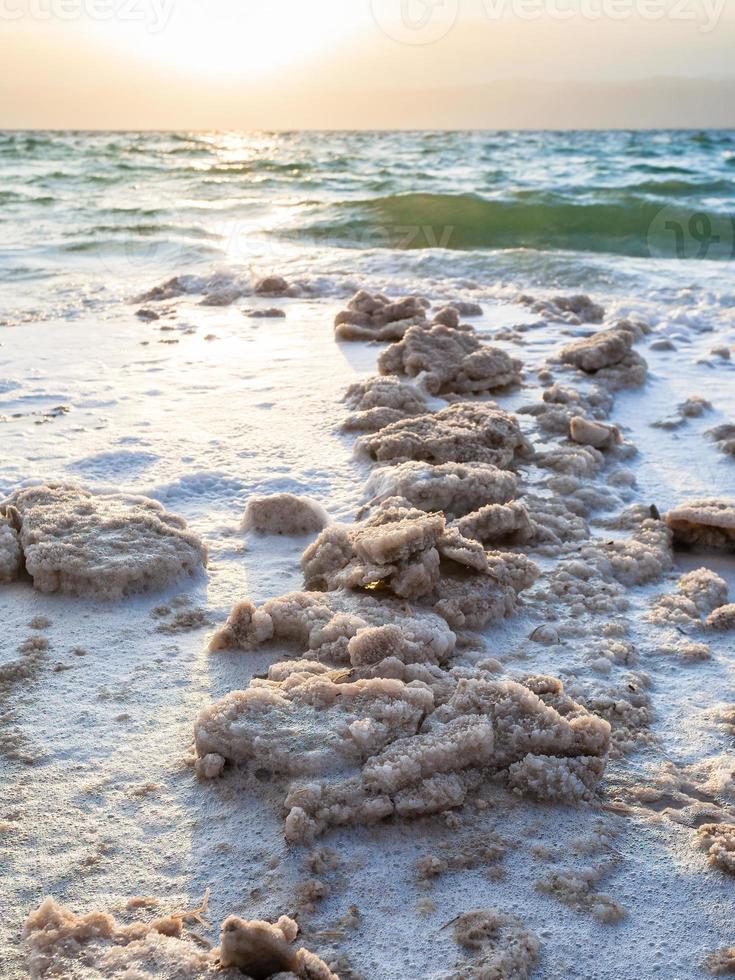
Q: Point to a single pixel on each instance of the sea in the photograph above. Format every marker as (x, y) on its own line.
(641, 219)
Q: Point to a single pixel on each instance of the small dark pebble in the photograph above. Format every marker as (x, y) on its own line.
(147, 315)
(270, 312)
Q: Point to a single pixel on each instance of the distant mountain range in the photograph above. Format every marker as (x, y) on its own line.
(98, 88)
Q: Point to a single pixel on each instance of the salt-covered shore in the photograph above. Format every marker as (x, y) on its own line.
(204, 409)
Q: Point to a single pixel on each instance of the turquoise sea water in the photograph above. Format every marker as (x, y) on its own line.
(90, 218)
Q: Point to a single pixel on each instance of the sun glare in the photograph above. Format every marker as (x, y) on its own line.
(237, 38)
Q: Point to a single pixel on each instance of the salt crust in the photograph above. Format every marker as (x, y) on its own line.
(608, 355)
(721, 962)
(378, 401)
(447, 360)
(11, 558)
(706, 524)
(699, 593)
(105, 545)
(416, 555)
(94, 945)
(595, 434)
(397, 734)
(722, 618)
(500, 947)
(719, 840)
(454, 488)
(375, 317)
(560, 404)
(462, 433)
(575, 309)
(284, 513)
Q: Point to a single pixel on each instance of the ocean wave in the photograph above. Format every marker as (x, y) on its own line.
(682, 188)
(662, 168)
(626, 224)
(18, 197)
(145, 230)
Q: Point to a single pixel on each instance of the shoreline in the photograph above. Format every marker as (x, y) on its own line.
(91, 766)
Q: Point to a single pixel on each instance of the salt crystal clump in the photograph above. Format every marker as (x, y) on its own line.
(265, 313)
(535, 717)
(640, 559)
(261, 950)
(553, 523)
(722, 618)
(225, 296)
(631, 372)
(375, 317)
(572, 460)
(721, 962)
(461, 743)
(596, 577)
(172, 289)
(395, 548)
(462, 433)
(724, 437)
(500, 946)
(575, 309)
(562, 780)
(694, 407)
(577, 889)
(704, 524)
(706, 589)
(106, 545)
(506, 524)
(595, 434)
(396, 734)
(627, 708)
(609, 356)
(11, 558)
(561, 404)
(540, 740)
(378, 401)
(211, 765)
(311, 721)
(719, 839)
(401, 549)
(275, 286)
(449, 360)
(447, 316)
(645, 555)
(284, 513)
(673, 610)
(323, 624)
(62, 944)
(544, 523)
(470, 601)
(455, 488)
(600, 350)
(465, 308)
(220, 289)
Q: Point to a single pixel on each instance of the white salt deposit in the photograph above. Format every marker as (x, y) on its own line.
(590, 761)
(107, 545)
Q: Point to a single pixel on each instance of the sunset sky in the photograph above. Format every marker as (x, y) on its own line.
(366, 63)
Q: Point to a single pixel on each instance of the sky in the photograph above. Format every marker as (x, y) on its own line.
(287, 64)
